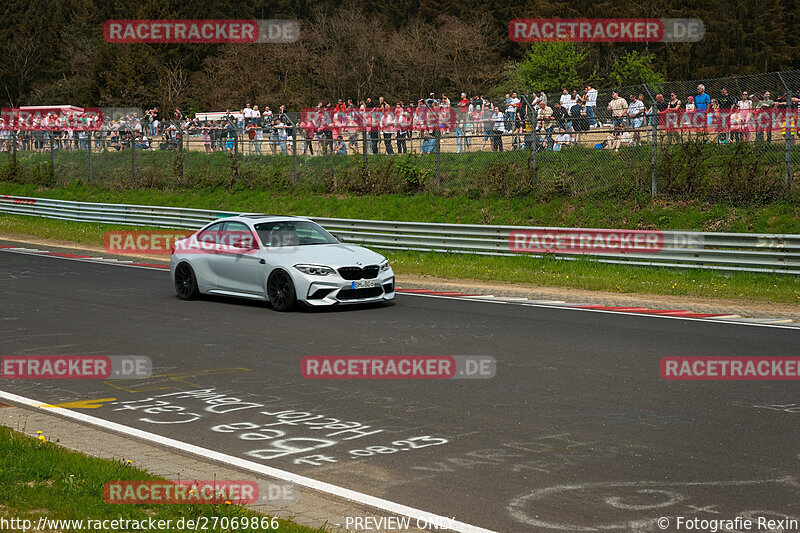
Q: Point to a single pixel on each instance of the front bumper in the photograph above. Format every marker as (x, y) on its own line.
(322, 292)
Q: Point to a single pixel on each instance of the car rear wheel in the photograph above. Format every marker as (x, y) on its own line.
(280, 291)
(186, 283)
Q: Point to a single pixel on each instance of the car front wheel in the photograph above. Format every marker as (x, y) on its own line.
(280, 291)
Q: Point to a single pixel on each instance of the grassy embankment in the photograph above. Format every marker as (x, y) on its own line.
(39, 478)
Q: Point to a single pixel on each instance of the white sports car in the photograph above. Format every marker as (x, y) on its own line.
(280, 259)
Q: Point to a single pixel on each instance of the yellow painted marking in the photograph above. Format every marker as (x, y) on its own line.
(81, 404)
(171, 380)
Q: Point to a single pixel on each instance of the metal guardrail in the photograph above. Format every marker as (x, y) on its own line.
(751, 252)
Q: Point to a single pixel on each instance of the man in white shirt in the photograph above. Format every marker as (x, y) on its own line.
(636, 111)
(566, 100)
(591, 102)
(256, 115)
(562, 139)
(248, 114)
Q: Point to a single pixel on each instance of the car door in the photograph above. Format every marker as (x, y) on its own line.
(237, 262)
(203, 252)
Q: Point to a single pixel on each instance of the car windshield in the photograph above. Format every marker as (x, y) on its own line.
(293, 233)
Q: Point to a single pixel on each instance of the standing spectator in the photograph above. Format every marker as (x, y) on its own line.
(402, 122)
(247, 115)
(744, 106)
(308, 131)
(256, 116)
(387, 127)
(726, 101)
(591, 101)
(690, 107)
(498, 129)
(618, 108)
(566, 98)
(250, 130)
(636, 112)
(674, 103)
(544, 122)
(487, 121)
(462, 115)
(766, 103)
(512, 107)
(702, 100)
(578, 114)
(259, 138)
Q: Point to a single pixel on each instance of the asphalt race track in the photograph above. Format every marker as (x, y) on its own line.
(577, 431)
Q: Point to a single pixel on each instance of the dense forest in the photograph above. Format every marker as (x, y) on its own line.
(53, 52)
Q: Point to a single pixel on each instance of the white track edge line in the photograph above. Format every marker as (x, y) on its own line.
(572, 308)
(321, 486)
(102, 261)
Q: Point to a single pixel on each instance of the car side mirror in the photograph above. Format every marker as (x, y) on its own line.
(337, 237)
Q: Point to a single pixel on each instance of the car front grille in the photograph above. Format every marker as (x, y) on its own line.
(355, 273)
(356, 294)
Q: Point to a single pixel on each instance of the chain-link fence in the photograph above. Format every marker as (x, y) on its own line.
(728, 138)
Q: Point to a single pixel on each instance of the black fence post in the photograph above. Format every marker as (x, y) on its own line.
(787, 172)
(534, 139)
(294, 153)
(89, 140)
(438, 140)
(52, 157)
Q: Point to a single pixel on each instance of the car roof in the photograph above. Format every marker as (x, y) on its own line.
(255, 218)
(256, 215)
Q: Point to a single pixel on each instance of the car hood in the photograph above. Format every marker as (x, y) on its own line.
(333, 255)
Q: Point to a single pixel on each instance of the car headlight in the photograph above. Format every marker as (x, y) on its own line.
(315, 270)
(385, 265)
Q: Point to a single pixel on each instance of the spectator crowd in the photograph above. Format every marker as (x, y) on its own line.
(476, 124)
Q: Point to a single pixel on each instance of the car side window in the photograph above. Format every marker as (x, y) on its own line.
(236, 232)
(211, 234)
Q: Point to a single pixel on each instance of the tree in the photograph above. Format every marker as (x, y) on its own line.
(545, 67)
(634, 68)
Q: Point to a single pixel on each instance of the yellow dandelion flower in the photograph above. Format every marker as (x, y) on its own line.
(38, 432)
(41, 438)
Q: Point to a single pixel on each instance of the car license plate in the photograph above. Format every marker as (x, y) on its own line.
(364, 284)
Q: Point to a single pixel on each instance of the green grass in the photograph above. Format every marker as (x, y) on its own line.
(589, 275)
(626, 213)
(44, 479)
(546, 272)
(741, 174)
